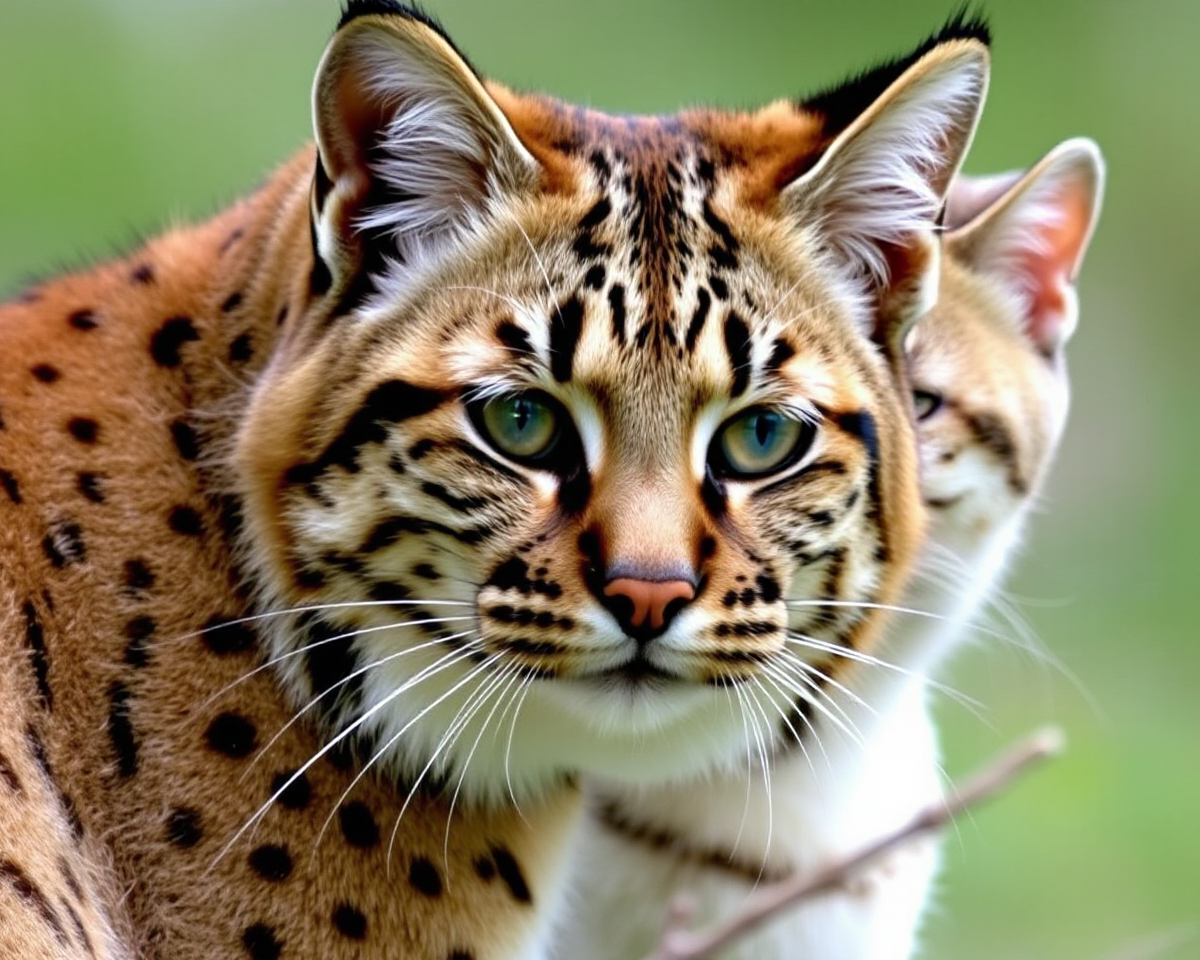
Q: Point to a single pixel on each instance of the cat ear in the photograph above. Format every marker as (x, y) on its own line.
(874, 197)
(412, 149)
(1033, 238)
(970, 196)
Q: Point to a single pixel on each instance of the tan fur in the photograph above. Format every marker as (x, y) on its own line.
(184, 444)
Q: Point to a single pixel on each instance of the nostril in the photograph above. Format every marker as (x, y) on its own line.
(647, 604)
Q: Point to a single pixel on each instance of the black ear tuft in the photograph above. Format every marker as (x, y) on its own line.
(841, 105)
(353, 9)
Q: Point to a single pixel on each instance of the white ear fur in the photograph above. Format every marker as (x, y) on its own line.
(414, 147)
(881, 183)
(1034, 236)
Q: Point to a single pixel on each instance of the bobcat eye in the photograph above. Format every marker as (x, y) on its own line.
(926, 403)
(759, 442)
(526, 426)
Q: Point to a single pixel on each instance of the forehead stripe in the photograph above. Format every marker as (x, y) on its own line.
(565, 327)
(737, 345)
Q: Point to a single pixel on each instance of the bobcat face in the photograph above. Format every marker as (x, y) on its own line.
(592, 418)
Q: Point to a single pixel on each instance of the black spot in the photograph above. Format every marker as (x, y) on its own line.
(143, 274)
(83, 429)
(10, 486)
(183, 827)
(261, 943)
(232, 735)
(768, 588)
(187, 441)
(83, 320)
(515, 339)
(510, 873)
(271, 862)
(64, 545)
(297, 794)
(138, 631)
(89, 486)
(231, 302)
(737, 345)
(781, 353)
(595, 277)
(719, 287)
(565, 327)
(426, 571)
(421, 448)
(30, 894)
(350, 922)
(596, 215)
(241, 349)
(330, 660)
(460, 955)
(485, 868)
(223, 635)
(616, 303)
(168, 339)
(44, 373)
(138, 576)
(703, 305)
(389, 592)
(35, 638)
(120, 729)
(358, 825)
(424, 877)
(282, 316)
(186, 521)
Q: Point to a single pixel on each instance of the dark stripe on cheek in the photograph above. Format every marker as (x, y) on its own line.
(861, 424)
(737, 345)
(565, 327)
(993, 435)
(703, 305)
(616, 301)
(781, 353)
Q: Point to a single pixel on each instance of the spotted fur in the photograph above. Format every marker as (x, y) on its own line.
(296, 660)
(990, 386)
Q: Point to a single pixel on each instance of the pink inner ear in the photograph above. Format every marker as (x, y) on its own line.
(1048, 270)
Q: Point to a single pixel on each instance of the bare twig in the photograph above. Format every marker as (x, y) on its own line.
(679, 943)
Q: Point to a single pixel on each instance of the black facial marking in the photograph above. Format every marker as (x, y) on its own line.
(515, 339)
(712, 493)
(35, 639)
(183, 827)
(8, 483)
(391, 402)
(168, 339)
(120, 729)
(89, 484)
(616, 302)
(83, 429)
(703, 305)
(271, 862)
(137, 632)
(737, 345)
(781, 353)
(45, 373)
(358, 825)
(510, 873)
(231, 302)
(297, 794)
(460, 504)
(350, 922)
(595, 277)
(187, 441)
(232, 735)
(8, 776)
(330, 661)
(63, 545)
(596, 215)
(424, 877)
(261, 943)
(12, 876)
(565, 327)
(991, 433)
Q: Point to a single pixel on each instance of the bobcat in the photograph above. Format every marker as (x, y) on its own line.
(492, 442)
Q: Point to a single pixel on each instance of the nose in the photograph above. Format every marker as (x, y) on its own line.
(645, 608)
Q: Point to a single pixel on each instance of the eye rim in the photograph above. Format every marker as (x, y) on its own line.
(926, 403)
(555, 456)
(723, 469)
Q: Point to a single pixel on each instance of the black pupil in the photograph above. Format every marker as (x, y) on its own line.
(764, 429)
(522, 414)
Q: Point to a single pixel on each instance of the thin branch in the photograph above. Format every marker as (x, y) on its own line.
(679, 943)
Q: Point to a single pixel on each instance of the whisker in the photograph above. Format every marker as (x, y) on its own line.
(813, 696)
(526, 686)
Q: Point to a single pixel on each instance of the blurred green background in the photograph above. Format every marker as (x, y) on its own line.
(118, 117)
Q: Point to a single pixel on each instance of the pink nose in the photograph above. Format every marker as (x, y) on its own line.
(650, 598)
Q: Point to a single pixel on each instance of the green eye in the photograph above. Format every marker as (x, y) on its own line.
(926, 403)
(759, 442)
(525, 426)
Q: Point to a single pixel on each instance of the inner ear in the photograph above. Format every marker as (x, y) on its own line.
(413, 152)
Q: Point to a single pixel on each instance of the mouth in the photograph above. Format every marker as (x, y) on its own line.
(638, 671)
